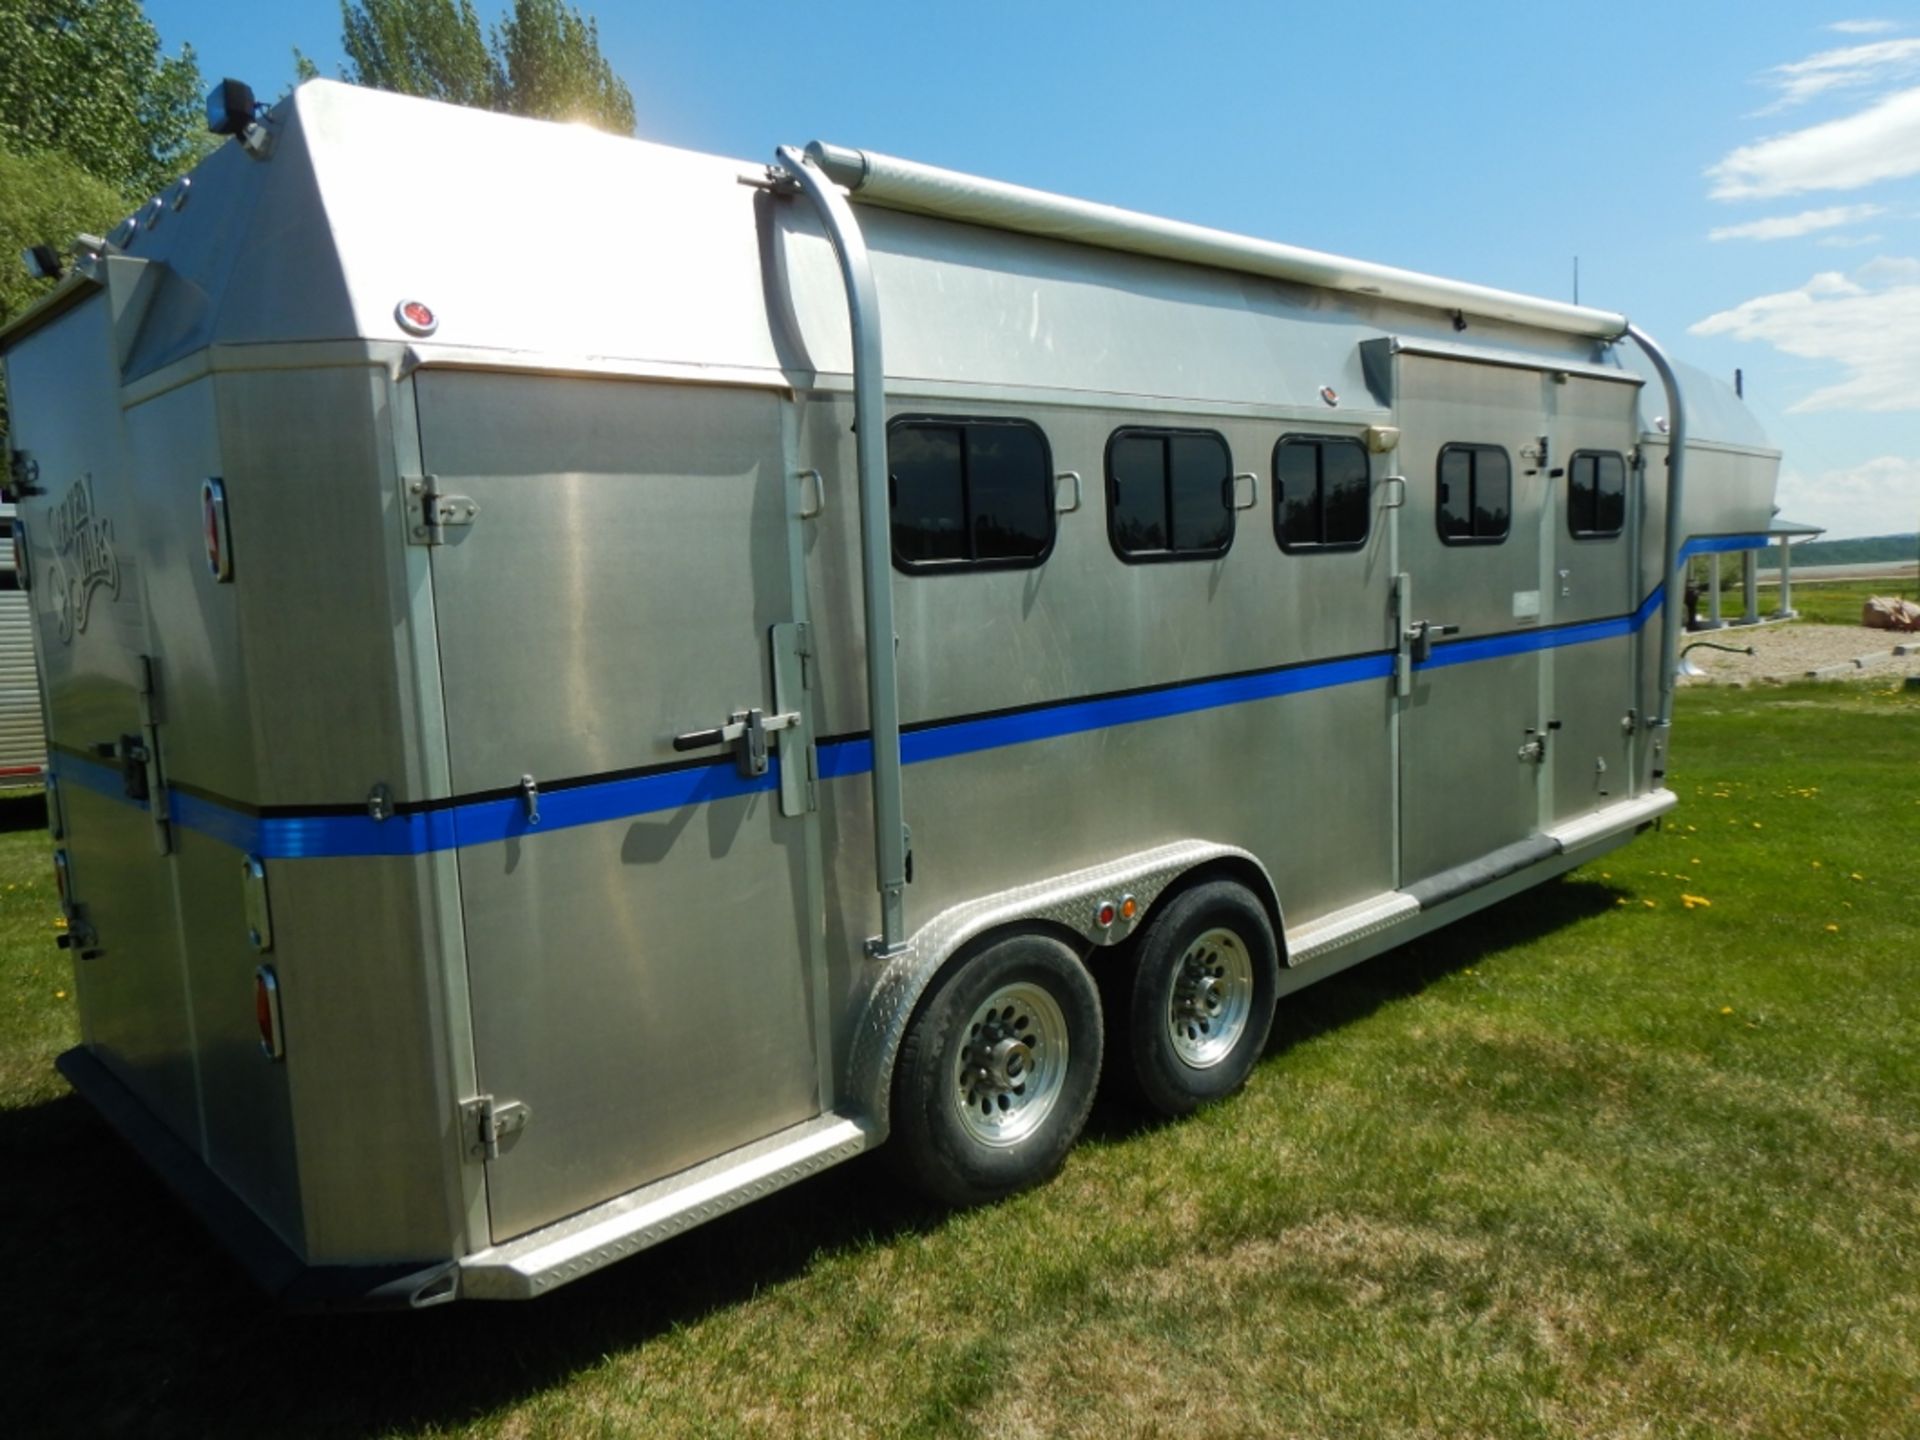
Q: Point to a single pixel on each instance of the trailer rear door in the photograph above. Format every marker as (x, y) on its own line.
(86, 571)
(640, 955)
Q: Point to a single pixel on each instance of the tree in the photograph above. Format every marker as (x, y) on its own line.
(433, 48)
(543, 59)
(86, 79)
(548, 65)
(44, 200)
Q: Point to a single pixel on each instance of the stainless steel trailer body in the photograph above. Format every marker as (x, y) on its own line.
(473, 674)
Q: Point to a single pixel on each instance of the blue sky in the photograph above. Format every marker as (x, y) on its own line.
(1742, 179)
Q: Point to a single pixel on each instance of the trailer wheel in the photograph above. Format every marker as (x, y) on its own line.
(1201, 1004)
(997, 1072)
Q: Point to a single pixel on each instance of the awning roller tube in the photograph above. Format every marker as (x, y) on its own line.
(925, 189)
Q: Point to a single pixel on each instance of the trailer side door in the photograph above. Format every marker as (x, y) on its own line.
(637, 916)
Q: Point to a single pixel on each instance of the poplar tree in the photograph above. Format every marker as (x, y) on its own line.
(542, 59)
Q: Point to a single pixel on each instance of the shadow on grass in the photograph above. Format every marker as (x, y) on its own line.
(22, 810)
(129, 1319)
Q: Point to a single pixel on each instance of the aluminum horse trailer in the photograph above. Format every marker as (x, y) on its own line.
(589, 682)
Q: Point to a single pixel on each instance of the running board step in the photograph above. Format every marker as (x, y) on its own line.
(548, 1257)
(1378, 914)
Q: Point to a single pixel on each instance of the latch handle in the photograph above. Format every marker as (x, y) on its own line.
(747, 731)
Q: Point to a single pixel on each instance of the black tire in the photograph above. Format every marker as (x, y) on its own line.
(1185, 985)
(973, 1136)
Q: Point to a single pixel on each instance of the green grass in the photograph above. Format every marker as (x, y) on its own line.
(1593, 1163)
(1838, 602)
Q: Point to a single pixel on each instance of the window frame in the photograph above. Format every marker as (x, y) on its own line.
(971, 566)
(1165, 433)
(1319, 547)
(1626, 472)
(1471, 447)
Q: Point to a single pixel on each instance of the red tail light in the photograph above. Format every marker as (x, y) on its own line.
(266, 1013)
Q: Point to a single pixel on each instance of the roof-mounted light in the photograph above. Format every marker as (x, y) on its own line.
(231, 107)
(232, 110)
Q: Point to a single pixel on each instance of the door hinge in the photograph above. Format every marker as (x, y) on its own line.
(436, 511)
(487, 1122)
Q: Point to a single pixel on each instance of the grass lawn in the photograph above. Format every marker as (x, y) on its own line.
(1598, 1162)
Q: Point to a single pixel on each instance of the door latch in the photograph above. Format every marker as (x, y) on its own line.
(1422, 633)
(746, 731)
(1535, 746)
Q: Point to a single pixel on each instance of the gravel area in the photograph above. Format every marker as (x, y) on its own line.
(1785, 652)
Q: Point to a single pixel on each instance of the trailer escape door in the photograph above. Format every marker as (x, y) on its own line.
(640, 955)
(1516, 547)
(1470, 552)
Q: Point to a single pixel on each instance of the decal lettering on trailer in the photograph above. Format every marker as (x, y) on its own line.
(83, 560)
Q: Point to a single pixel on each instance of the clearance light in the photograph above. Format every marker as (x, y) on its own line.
(266, 1013)
(416, 318)
(1129, 907)
(1106, 914)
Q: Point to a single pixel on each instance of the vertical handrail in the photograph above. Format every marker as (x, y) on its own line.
(876, 540)
(1673, 584)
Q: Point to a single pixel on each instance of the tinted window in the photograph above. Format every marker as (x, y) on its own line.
(1475, 494)
(1596, 493)
(1320, 492)
(969, 493)
(1169, 494)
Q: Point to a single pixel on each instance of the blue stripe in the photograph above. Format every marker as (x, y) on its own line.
(481, 822)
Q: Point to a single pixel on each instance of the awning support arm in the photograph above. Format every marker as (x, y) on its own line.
(1673, 583)
(876, 541)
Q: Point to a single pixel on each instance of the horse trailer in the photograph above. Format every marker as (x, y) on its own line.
(589, 682)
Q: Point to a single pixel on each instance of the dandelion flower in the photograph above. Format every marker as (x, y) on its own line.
(1756, 825)
(1816, 864)
(1726, 1009)
(1650, 904)
(1692, 900)
(59, 922)
(1833, 929)
(59, 994)
(1856, 876)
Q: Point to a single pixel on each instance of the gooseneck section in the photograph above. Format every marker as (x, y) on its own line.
(1672, 582)
(876, 538)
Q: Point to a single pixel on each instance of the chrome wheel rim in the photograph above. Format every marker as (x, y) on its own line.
(1211, 1000)
(1011, 1065)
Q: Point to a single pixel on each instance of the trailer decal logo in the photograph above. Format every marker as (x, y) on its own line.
(83, 558)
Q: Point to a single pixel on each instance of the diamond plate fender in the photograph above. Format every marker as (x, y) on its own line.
(1066, 900)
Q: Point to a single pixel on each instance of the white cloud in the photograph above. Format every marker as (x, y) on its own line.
(1849, 242)
(1881, 142)
(1786, 227)
(1847, 68)
(1862, 27)
(1880, 497)
(1864, 322)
